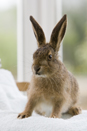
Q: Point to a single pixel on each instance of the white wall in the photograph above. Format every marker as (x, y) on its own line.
(47, 13)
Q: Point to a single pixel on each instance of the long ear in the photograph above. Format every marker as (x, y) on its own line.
(58, 33)
(39, 34)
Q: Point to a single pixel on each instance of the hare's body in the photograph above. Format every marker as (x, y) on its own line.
(53, 90)
(60, 86)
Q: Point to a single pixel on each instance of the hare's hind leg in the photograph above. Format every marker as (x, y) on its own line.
(75, 110)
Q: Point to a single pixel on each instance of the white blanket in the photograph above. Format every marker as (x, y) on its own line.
(13, 102)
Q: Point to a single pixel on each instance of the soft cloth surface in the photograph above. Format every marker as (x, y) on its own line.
(13, 102)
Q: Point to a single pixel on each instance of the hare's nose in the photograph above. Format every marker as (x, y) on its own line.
(36, 68)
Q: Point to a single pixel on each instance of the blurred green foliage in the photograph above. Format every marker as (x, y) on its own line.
(8, 39)
(75, 41)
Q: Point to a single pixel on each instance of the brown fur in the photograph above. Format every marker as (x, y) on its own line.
(51, 83)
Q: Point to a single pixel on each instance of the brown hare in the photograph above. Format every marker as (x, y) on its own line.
(53, 90)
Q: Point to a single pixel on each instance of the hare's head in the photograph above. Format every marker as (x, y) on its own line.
(45, 58)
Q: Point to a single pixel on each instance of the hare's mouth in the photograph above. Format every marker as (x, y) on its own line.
(37, 70)
(37, 73)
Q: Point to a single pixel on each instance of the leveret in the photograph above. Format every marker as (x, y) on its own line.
(53, 90)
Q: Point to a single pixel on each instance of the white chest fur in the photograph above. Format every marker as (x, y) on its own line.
(45, 107)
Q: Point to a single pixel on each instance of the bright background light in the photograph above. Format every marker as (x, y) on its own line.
(5, 4)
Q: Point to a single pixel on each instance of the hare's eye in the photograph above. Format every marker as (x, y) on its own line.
(50, 57)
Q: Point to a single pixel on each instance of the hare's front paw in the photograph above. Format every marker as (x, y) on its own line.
(23, 115)
(55, 115)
